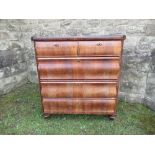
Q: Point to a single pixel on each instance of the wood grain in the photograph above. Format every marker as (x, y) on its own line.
(48, 49)
(79, 75)
(79, 106)
(79, 68)
(100, 48)
(78, 89)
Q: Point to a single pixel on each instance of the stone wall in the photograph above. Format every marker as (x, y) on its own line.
(17, 62)
(13, 64)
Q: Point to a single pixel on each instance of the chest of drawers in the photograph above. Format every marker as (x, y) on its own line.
(79, 75)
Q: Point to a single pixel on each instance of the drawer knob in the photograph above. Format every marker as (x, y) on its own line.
(99, 44)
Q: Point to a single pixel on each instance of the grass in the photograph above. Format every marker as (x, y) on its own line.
(20, 113)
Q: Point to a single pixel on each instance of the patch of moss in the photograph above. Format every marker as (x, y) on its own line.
(21, 113)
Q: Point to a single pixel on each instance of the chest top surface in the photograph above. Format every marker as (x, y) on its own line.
(79, 38)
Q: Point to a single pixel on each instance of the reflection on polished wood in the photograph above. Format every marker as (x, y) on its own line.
(79, 68)
(79, 75)
(79, 106)
(79, 90)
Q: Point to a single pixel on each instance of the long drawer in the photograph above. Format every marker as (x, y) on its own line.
(79, 89)
(79, 106)
(79, 68)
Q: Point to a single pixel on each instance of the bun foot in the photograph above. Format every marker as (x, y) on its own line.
(112, 117)
(46, 115)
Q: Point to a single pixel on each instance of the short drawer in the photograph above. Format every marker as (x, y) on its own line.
(48, 49)
(79, 89)
(79, 68)
(79, 106)
(100, 48)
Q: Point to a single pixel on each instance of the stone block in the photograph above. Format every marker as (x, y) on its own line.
(131, 98)
(152, 44)
(16, 46)
(73, 32)
(6, 35)
(135, 29)
(4, 45)
(136, 62)
(144, 46)
(92, 31)
(117, 29)
(9, 58)
(150, 30)
(65, 23)
(42, 21)
(149, 99)
(152, 64)
(50, 26)
(32, 73)
(133, 82)
(11, 45)
(150, 89)
(8, 84)
(10, 27)
(93, 23)
(134, 98)
(31, 28)
(78, 24)
(122, 96)
(114, 22)
(149, 102)
(130, 45)
(32, 21)
(140, 21)
(1, 74)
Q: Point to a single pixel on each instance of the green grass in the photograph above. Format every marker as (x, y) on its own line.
(20, 113)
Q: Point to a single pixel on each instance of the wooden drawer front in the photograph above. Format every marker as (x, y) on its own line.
(99, 48)
(78, 89)
(48, 49)
(79, 106)
(79, 69)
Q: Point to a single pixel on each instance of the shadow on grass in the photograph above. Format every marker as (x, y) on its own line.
(77, 117)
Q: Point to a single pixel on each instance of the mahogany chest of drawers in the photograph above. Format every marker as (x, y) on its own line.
(79, 75)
